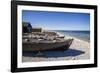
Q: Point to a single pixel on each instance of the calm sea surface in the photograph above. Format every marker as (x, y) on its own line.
(83, 35)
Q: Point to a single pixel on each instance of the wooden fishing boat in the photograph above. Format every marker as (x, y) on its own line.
(40, 45)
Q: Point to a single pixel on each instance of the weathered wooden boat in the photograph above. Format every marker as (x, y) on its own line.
(40, 44)
(36, 39)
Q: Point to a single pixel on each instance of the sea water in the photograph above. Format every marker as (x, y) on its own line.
(82, 35)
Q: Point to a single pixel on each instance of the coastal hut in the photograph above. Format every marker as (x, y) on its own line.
(26, 26)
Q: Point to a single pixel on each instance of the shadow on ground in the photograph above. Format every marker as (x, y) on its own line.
(54, 53)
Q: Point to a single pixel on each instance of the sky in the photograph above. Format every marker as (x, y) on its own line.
(57, 20)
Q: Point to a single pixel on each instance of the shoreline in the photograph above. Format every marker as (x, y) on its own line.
(77, 46)
(67, 37)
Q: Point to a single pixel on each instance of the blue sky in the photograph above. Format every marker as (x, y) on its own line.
(57, 20)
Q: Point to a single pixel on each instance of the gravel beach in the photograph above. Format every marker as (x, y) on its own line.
(78, 50)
